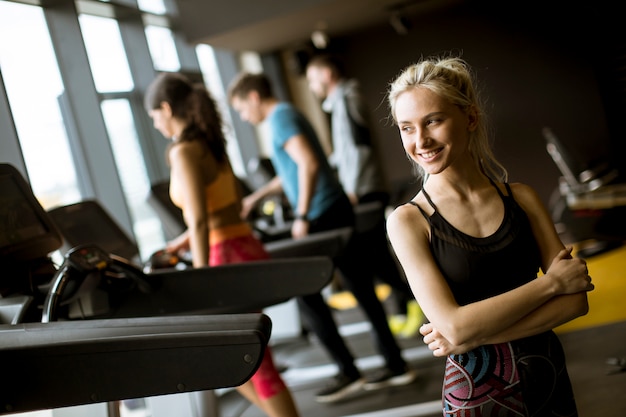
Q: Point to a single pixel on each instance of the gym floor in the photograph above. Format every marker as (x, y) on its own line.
(590, 342)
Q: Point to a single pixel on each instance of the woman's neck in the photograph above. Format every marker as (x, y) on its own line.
(177, 129)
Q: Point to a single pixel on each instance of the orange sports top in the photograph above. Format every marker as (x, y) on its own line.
(221, 193)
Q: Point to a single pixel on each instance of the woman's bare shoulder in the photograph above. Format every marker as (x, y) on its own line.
(408, 212)
(528, 198)
(187, 149)
(403, 212)
(524, 192)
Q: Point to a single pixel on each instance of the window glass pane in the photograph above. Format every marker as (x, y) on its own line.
(33, 85)
(162, 48)
(106, 54)
(211, 75)
(132, 170)
(152, 6)
(41, 413)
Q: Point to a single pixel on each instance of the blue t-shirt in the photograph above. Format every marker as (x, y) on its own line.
(284, 123)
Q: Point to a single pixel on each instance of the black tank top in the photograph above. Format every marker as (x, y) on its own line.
(479, 268)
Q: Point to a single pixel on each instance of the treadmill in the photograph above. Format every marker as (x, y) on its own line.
(590, 202)
(151, 333)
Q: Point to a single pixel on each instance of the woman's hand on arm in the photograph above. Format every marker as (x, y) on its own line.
(569, 274)
(572, 278)
(439, 345)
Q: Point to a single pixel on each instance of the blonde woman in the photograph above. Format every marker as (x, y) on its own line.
(471, 245)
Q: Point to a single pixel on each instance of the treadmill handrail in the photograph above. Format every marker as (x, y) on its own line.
(233, 288)
(62, 364)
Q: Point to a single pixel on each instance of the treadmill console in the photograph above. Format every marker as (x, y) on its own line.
(90, 282)
(88, 259)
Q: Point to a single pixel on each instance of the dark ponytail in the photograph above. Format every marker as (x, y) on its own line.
(193, 104)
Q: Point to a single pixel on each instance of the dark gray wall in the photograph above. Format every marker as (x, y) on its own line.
(534, 69)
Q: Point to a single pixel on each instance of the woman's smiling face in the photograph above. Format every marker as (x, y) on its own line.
(434, 131)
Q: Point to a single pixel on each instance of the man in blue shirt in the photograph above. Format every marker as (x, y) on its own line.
(319, 204)
(361, 175)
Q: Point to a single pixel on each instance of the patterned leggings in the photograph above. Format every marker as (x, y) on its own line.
(526, 378)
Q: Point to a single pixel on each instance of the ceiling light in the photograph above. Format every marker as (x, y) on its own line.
(319, 39)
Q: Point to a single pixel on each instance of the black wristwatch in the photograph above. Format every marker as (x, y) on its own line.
(301, 217)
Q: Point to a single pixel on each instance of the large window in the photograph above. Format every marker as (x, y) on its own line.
(210, 73)
(33, 85)
(62, 145)
(105, 50)
(129, 160)
(162, 48)
(112, 77)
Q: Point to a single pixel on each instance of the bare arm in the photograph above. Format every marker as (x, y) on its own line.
(300, 151)
(564, 307)
(179, 244)
(493, 318)
(546, 317)
(249, 202)
(560, 309)
(188, 175)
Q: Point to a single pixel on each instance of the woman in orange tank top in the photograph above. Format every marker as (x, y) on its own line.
(203, 185)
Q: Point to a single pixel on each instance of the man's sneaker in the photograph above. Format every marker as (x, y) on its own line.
(341, 388)
(385, 378)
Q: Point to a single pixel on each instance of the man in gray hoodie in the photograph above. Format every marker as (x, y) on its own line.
(360, 174)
